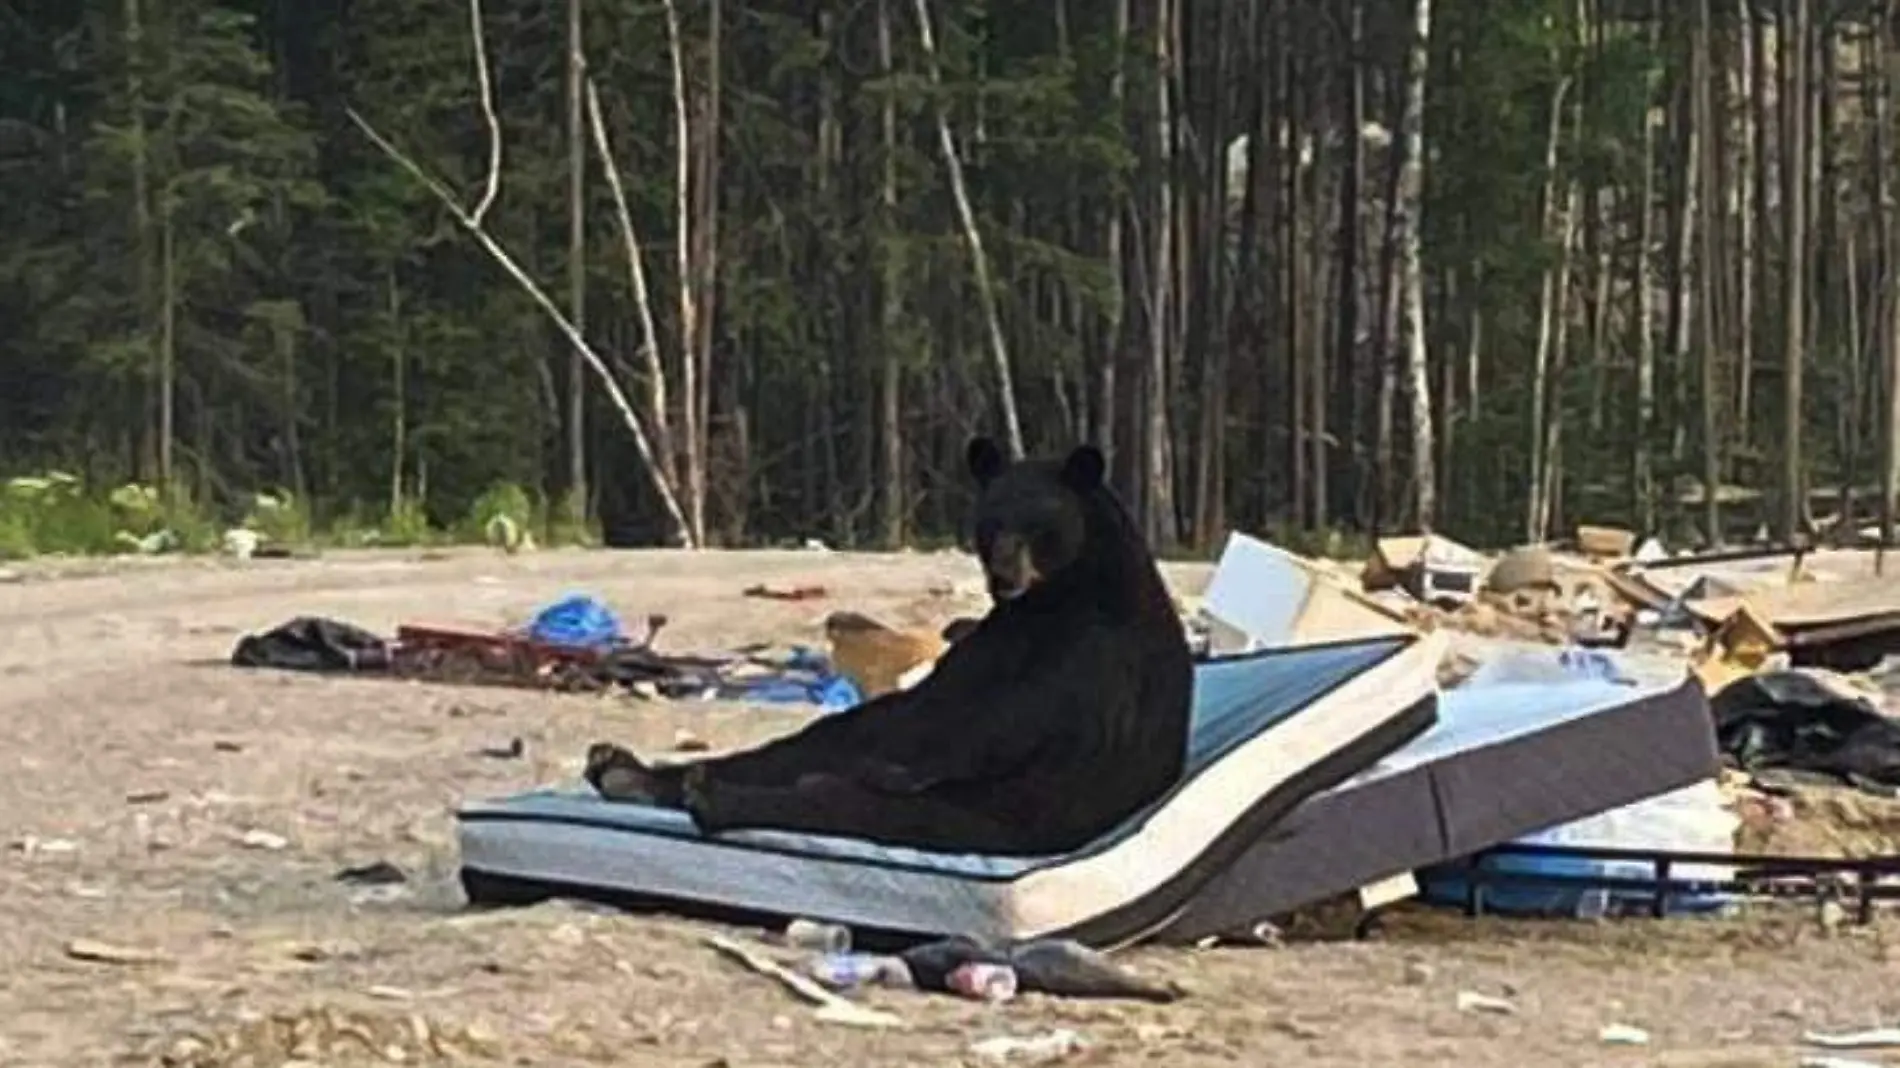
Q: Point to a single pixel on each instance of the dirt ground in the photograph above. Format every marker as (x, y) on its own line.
(137, 765)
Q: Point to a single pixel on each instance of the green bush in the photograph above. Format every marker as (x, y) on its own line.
(280, 518)
(407, 526)
(501, 504)
(52, 513)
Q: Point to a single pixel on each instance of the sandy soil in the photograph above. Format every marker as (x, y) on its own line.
(137, 764)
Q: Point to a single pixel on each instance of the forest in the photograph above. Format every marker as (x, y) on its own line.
(703, 272)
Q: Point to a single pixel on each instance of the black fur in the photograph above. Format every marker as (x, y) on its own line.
(1063, 712)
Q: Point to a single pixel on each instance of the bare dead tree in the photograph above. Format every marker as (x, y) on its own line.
(652, 364)
(1410, 189)
(979, 259)
(693, 472)
(471, 220)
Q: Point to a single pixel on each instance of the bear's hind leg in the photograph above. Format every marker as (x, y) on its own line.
(829, 804)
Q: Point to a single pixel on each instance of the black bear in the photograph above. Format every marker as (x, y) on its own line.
(1060, 714)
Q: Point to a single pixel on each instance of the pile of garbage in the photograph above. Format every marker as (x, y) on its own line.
(1531, 594)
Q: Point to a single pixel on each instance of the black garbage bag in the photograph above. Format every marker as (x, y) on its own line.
(1788, 720)
(312, 643)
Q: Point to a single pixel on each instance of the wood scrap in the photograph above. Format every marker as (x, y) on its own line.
(97, 952)
(785, 593)
(877, 657)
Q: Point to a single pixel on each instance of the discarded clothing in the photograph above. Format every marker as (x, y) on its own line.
(574, 644)
(311, 643)
(1789, 720)
(804, 677)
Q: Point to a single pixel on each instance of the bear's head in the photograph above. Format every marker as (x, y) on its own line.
(1034, 519)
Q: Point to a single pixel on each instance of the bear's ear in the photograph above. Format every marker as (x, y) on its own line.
(1084, 468)
(986, 460)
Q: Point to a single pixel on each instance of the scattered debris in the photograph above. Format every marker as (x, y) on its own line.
(983, 982)
(830, 1007)
(320, 952)
(87, 949)
(262, 839)
(1623, 1035)
(817, 937)
(878, 658)
(512, 751)
(241, 543)
(1604, 544)
(786, 593)
(1037, 1049)
(1471, 1001)
(377, 873)
(1525, 570)
(1433, 569)
(1875, 1038)
(848, 971)
(33, 845)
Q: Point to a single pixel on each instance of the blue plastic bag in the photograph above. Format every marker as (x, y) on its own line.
(578, 621)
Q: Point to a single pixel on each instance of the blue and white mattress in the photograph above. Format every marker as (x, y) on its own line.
(1506, 760)
(1270, 729)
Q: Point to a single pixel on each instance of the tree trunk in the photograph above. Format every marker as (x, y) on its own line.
(1210, 516)
(1642, 476)
(1705, 191)
(705, 233)
(1794, 55)
(576, 270)
(1553, 228)
(891, 365)
(1114, 254)
(685, 242)
(1351, 215)
(1748, 173)
(1886, 302)
(1410, 191)
(979, 259)
(1159, 494)
(145, 255)
(167, 341)
(399, 388)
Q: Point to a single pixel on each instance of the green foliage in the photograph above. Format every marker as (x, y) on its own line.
(280, 518)
(503, 501)
(56, 513)
(193, 197)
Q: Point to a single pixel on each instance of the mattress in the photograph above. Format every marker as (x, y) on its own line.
(1503, 761)
(1270, 729)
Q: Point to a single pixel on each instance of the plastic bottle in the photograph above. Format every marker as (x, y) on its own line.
(983, 982)
(818, 937)
(843, 971)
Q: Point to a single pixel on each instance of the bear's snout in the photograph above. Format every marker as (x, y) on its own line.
(1010, 567)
